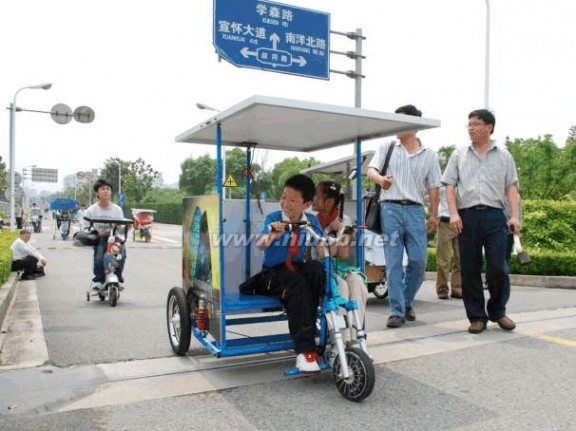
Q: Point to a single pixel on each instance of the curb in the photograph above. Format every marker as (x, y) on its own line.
(7, 292)
(552, 281)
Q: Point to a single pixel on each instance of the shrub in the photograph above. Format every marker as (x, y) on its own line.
(6, 240)
(549, 225)
(170, 213)
(543, 262)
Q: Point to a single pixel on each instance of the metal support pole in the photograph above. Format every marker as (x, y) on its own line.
(13, 110)
(119, 179)
(358, 71)
(12, 165)
(487, 59)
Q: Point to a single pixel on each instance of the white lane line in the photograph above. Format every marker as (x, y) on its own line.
(161, 238)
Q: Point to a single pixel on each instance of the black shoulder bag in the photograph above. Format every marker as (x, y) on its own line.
(372, 219)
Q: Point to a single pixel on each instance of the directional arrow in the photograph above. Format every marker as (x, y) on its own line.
(274, 38)
(247, 53)
(300, 61)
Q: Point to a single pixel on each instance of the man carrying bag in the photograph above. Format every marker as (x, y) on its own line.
(413, 170)
(372, 221)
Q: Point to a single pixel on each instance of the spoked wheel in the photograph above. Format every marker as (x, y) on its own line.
(178, 321)
(362, 375)
(113, 296)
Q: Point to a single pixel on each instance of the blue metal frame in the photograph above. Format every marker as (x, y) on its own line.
(247, 231)
(359, 216)
(239, 303)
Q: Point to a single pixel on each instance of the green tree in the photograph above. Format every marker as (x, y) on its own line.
(273, 182)
(541, 170)
(444, 154)
(137, 178)
(236, 166)
(198, 176)
(3, 183)
(163, 196)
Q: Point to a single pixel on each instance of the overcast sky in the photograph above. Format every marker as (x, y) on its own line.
(142, 65)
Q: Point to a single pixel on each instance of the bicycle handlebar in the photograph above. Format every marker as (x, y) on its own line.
(326, 240)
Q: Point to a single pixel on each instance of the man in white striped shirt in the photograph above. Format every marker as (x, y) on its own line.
(412, 172)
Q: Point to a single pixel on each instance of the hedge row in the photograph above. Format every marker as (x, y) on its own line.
(548, 235)
(169, 213)
(6, 240)
(549, 225)
(543, 262)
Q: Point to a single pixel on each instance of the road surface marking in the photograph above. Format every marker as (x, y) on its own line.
(556, 340)
(167, 239)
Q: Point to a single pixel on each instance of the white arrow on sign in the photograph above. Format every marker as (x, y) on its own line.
(247, 53)
(274, 38)
(300, 61)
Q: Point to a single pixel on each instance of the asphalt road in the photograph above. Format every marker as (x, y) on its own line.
(71, 364)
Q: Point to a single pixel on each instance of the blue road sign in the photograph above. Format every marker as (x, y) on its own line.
(273, 36)
(121, 200)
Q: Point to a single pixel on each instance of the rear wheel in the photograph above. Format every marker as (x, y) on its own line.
(178, 321)
(360, 383)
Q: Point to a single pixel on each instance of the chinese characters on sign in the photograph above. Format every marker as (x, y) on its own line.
(273, 36)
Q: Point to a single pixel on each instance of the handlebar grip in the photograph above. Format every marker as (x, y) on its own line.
(288, 225)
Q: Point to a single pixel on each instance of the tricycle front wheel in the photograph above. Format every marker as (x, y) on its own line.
(178, 321)
(360, 383)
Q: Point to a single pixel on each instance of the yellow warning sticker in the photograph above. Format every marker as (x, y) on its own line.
(230, 182)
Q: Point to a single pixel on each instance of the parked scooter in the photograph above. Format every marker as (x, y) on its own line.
(111, 288)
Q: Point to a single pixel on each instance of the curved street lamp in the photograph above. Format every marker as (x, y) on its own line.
(13, 110)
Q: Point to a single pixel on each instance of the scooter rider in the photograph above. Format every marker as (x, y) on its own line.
(103, 209)
(36, 217)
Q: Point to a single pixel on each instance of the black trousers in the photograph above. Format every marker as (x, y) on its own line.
(299, 292)
(28, 264)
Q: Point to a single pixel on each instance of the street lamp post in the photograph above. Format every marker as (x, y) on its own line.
(487, 59)
(119, 178)
(13, 110)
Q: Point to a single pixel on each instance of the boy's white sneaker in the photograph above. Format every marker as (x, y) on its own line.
(96, 286)
(306, 362)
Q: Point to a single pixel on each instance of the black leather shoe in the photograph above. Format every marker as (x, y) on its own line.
(410, 314)
(456, 295)
(27, 277)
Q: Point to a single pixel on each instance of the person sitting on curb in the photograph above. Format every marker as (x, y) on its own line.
(26, 258)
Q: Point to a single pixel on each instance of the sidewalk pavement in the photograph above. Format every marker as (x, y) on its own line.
(7, 291)
(553, 281)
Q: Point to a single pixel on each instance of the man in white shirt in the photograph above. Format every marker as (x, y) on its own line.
(26, 258)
